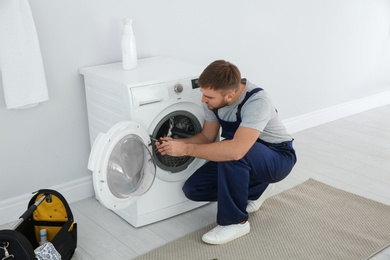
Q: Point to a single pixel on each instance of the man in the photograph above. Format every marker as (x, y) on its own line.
(256, 151)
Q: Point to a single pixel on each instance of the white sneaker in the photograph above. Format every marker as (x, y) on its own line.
(254, 205)
(223, 234)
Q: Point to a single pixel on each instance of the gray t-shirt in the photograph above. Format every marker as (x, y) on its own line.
(258, 113)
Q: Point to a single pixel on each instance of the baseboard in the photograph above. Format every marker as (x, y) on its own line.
(11, 209)
(329, 114)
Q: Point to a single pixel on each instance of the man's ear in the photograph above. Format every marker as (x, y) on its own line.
(230, 95)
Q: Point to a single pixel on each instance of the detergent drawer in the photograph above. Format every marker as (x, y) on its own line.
(151, 94)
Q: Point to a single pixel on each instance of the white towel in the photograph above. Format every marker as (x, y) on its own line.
(21, 64)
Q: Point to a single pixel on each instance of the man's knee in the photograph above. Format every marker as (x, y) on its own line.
(186, 190)
(189, 192)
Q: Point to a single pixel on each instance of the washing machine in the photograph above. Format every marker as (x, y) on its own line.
(127, 110)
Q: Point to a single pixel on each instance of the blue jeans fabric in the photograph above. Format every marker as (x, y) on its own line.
(232, 183)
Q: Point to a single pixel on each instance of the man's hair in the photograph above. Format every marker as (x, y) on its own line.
(220, 75)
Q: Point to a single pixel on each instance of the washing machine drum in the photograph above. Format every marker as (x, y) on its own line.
(178, 124)
(122, 164)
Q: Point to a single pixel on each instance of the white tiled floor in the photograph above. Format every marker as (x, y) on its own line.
(352, 154)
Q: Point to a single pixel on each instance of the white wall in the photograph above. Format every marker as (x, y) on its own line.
(310, 55)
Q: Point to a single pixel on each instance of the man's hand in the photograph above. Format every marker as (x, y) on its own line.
(172, 147)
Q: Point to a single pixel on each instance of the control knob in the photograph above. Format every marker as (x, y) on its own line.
(178, 88)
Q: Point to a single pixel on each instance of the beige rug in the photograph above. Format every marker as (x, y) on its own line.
(310, 221)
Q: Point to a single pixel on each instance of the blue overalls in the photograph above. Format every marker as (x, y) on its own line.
(233, 183)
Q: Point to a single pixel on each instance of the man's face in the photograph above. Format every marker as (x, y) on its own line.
(215, 99)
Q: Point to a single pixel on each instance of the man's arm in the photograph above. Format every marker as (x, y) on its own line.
(226, 150)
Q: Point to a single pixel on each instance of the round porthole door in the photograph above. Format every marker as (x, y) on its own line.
(122, 165)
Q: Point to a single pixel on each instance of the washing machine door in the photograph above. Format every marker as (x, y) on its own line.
(122, 165)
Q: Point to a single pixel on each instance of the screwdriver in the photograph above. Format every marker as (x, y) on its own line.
(156, 140)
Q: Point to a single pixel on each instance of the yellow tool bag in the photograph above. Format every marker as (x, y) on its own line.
(48, 219)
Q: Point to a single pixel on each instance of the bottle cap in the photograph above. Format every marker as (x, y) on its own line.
(127, 21)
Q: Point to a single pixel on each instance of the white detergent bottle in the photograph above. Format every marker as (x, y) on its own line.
(129, 48)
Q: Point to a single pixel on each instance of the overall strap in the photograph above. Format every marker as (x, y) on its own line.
(247, 96)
